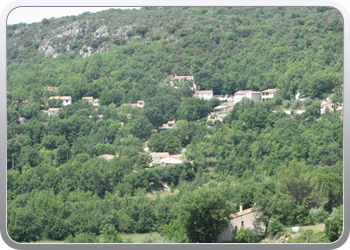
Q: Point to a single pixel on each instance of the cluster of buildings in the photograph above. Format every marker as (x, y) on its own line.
(238, 96)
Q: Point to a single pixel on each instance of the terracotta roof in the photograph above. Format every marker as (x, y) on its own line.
(269, 90)
(244, 212)
(171, 122)
(53, 109)
(203, 91)
(326, 102)
(133, 104)
(159, 154)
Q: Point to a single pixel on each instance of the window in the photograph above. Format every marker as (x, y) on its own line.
(242, 223)
(66, 100)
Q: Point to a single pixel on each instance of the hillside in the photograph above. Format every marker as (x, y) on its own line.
(104, 143)
(225, 49)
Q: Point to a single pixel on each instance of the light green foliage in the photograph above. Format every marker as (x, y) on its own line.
(334, 224)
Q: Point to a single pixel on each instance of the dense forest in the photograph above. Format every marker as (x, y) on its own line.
(290, 166)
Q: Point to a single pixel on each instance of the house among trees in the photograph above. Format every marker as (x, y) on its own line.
(205, 94)
(242, 219)
(93, 101)
(326, 105)
(139, 104)
(250, 94)
(22, 120)
(268, 94)
(66, 100)
(221, 108)
(52, 111)
(168, 125)
(177, 79)
(156, 156)
(107, 157)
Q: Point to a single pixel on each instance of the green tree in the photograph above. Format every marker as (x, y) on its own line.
(334, 225)
(204, 214)
(296, 181)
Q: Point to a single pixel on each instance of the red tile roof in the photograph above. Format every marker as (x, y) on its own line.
(244, 212)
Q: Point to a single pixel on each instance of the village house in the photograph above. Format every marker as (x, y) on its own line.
(93, 101)
(268, 94)
(22, 120)
(156, 156)
(168, 125)
(52, 111)
(244, 218)
(107, 157)
(205, 94)
(221, 108)
(326, 105)
(177, 79)
(253, 95)
(139, 104)
(66, 100)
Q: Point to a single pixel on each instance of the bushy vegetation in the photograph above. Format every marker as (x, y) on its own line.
(288, 166)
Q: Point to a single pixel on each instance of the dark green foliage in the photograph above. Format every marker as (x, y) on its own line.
(334, 225)
(202, 213)
(60, 188)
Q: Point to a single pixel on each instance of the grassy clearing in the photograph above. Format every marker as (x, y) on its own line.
(138, 238)
(287, 233)
(162, 193)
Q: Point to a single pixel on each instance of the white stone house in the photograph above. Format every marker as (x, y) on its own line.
(205, 94)
(268, 94)
(221, 108)
(93, 101)
(52, 111)
(168, 125)
(253, 95)
(66, 100)
(140, 104)
(326, 105)
(242, 219)
(156, 156)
